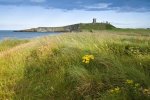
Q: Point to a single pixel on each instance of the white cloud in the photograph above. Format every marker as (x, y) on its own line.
(98, 6)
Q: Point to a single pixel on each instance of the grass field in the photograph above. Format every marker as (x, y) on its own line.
(9, 43)
(104, 65)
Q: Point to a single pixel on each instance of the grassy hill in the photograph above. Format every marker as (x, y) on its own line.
(104, 65)
(73, 28)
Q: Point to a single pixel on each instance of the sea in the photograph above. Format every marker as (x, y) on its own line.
(9, 34)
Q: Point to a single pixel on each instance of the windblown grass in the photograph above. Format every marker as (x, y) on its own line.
(9, 43)
(51, 68)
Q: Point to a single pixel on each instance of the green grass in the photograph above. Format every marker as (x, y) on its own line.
(7, 44)
(51, 68)
(96, 26)
(133, 32)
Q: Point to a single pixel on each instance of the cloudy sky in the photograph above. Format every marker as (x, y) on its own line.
(21, 14)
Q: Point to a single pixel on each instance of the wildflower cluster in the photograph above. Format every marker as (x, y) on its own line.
(87, 58)
(132, 88)
(132, 84)
(115, 90)
(136, 87)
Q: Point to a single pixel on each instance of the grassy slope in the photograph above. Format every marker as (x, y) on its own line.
(7, 44)
(52, 67)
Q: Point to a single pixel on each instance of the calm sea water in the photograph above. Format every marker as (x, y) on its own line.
(23, 35)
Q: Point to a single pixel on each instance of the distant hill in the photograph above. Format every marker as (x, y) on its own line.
(73, 28)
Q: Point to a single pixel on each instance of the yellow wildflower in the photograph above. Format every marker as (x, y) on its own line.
(115, 90)
(129, 81)
(87, 62)
(87, 58)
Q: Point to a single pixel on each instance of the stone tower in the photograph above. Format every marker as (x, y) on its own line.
(94, 20)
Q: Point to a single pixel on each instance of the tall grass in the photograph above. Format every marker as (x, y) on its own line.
(9, 43)
(52, 68)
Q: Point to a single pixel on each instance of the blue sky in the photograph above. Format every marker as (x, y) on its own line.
(20, 14)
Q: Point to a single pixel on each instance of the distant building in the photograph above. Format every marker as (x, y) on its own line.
(94, 20)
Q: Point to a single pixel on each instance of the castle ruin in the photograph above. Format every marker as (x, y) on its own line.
(94, 20)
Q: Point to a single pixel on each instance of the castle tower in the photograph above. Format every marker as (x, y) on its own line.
(94, 20)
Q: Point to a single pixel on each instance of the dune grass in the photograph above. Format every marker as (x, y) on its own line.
(52, 68)
(9, 43)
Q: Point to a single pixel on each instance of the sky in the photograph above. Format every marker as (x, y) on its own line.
(23, 14)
